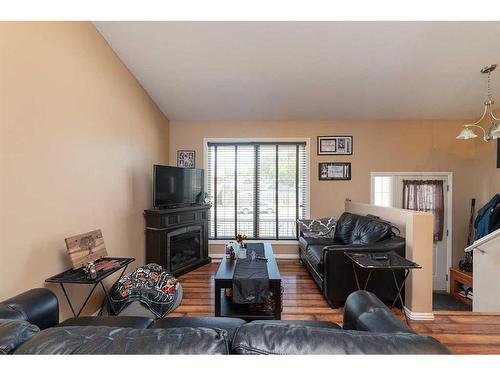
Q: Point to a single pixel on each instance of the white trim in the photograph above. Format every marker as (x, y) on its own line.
(449, 204)
(307, 161)
(418, 315)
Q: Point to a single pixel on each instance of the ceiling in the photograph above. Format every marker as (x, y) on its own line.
(229, 71)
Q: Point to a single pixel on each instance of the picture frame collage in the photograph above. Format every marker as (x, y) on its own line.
(334, 145)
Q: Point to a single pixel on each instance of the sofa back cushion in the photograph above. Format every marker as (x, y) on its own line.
(345, 226)
(361, 230)
(109, 340)
(368, 230)
(269, 338)
(14, 333)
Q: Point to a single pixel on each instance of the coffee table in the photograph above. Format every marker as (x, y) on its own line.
(224, 279)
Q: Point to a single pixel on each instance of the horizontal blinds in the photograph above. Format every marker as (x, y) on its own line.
(257, 188)
(267, 191)
(245, 189)
(211, 191)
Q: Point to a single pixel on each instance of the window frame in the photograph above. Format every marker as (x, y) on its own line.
(230, 141)
(389, 193)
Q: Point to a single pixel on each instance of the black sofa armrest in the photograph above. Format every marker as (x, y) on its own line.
(38, 306)
(363, 311)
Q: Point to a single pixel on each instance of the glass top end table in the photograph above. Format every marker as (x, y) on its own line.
(71, 276)
(383, 261)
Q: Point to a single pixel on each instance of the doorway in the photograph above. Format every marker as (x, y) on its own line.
(387, 190)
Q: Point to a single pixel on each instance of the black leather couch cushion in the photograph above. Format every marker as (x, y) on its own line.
(108, 321)
(361, 230)
(369, 230)
(290, 339)
(345, 226)
(15, 332)
(230, 325)
(314, 254)
(306, 241)
(38, 306)
(108, 340)
(363, 311)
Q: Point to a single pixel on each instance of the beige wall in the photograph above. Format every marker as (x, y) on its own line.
(378, 146)
(78, 136)
(486, 173)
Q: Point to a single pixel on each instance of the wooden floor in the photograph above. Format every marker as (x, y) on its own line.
(461, 332)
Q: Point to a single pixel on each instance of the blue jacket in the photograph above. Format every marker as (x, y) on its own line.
(482, 223)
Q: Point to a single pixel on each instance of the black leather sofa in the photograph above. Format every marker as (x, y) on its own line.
(29, 325)
(325, 260)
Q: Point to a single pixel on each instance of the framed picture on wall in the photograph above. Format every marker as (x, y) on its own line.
(186, 158)
(335, 145)
(334, 171)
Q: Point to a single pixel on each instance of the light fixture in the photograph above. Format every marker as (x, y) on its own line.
(494, 131)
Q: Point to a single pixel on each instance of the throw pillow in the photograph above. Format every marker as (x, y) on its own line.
(318, 228)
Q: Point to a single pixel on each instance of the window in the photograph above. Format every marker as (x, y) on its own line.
(382, 193)
(257, 188)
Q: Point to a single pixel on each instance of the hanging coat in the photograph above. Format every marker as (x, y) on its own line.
(495, 219)
(482, 223)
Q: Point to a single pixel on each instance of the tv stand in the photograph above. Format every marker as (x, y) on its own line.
(177, 238)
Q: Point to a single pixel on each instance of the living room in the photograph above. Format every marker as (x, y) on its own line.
(299, 156)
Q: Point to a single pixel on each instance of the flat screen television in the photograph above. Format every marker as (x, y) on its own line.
(176, 187)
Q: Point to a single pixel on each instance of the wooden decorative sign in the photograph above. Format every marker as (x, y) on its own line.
(86, 247)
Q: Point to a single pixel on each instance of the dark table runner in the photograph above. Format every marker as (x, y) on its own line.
(250, 278)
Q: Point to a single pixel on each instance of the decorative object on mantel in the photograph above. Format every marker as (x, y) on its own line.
(203, 199)
(85, 248)
(334, 171)
(335, 145)
(494, 130)
(186, 158)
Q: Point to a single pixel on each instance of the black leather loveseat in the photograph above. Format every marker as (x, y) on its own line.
(28, 325)
(325, 260)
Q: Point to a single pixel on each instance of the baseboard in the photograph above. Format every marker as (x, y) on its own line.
(418, 315)
(216, 258)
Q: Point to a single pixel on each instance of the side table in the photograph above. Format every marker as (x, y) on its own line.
(383, 261)
(78, 276)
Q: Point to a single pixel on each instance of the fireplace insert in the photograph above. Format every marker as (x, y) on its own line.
(177, 239)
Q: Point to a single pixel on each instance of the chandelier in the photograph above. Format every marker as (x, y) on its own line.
(494, 131)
